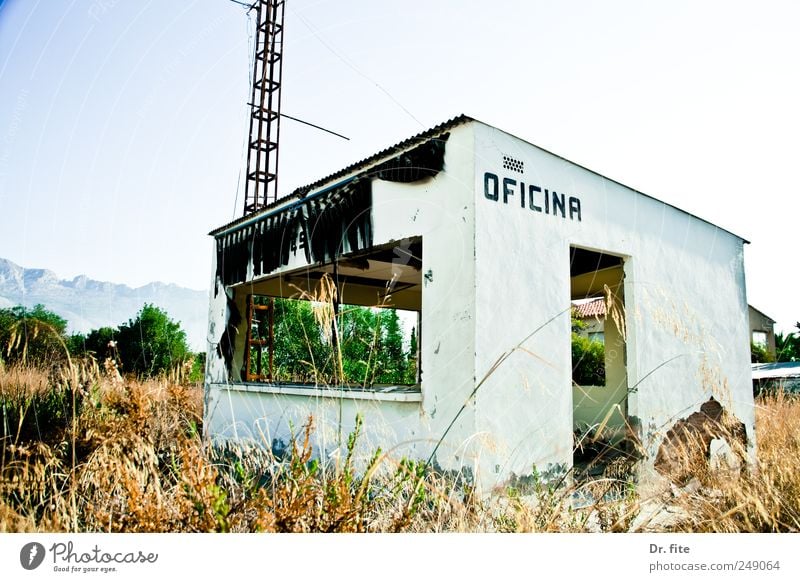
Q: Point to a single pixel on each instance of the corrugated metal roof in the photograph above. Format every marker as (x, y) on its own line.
(371, 160)
(776, 370)
(299, 193)
(595, 308)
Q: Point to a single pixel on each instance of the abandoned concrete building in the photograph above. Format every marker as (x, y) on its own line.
(483, 240)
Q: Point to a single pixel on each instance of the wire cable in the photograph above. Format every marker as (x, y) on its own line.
(347, 62)
(251, 58)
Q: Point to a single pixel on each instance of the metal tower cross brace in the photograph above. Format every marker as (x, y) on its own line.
(261, 186)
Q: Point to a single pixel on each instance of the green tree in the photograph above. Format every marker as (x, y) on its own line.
(393, 335)
(151, 343)
(198, 367)
(76, 344)
(32, 335)
(300, 354)
(96, 342)
(370, 342)
(411, 359)
(787, 346)
(392, 358)
(360, 344)
(588, 361)
(588, 356)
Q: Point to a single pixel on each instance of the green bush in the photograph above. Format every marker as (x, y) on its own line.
(28, 416)
(151, 343)
(759, 354)
(32, 336)
(588, 361)
(198, 367)
(96, 342)
(787, 346)
(370, 342)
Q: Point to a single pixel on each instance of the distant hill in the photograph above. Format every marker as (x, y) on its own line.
(88, 304)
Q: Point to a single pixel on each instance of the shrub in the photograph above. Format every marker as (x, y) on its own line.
(96, 342)
(32, 336)
(152, 343)
(759, 354)
(588, 361)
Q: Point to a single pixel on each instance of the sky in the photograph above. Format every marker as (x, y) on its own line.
(123, 123)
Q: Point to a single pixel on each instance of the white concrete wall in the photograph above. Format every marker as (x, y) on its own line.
(441, 211)
(248, 412)
(684, 291)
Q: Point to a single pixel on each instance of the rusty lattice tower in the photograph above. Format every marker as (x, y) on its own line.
(261, 186)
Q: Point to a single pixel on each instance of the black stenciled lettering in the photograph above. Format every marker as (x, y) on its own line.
(531, 201)
(508, 188)
(574, 208)
(490, 186)
(554, 203)
(559, 203)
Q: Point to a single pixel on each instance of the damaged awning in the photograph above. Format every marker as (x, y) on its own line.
(322, 225)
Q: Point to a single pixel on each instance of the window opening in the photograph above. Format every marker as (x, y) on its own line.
(260, 337)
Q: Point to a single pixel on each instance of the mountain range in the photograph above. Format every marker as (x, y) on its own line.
(87, 304)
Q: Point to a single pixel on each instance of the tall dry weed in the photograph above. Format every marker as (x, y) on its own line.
(764, 497)
(81, 450)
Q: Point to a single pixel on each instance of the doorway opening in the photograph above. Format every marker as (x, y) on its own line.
(599, 367)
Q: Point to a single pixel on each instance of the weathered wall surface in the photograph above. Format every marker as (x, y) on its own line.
(684, 293)
(496, 314)
(441, 211)
(247, 412)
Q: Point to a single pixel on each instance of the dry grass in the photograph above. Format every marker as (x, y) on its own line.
(762, 498)
(83, 450)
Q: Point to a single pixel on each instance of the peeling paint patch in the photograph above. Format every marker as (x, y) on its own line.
(321, 225)
(551, 477)
(687, 445)
(462, 477)
(318, 226)
(462, 316)
(227, 342)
